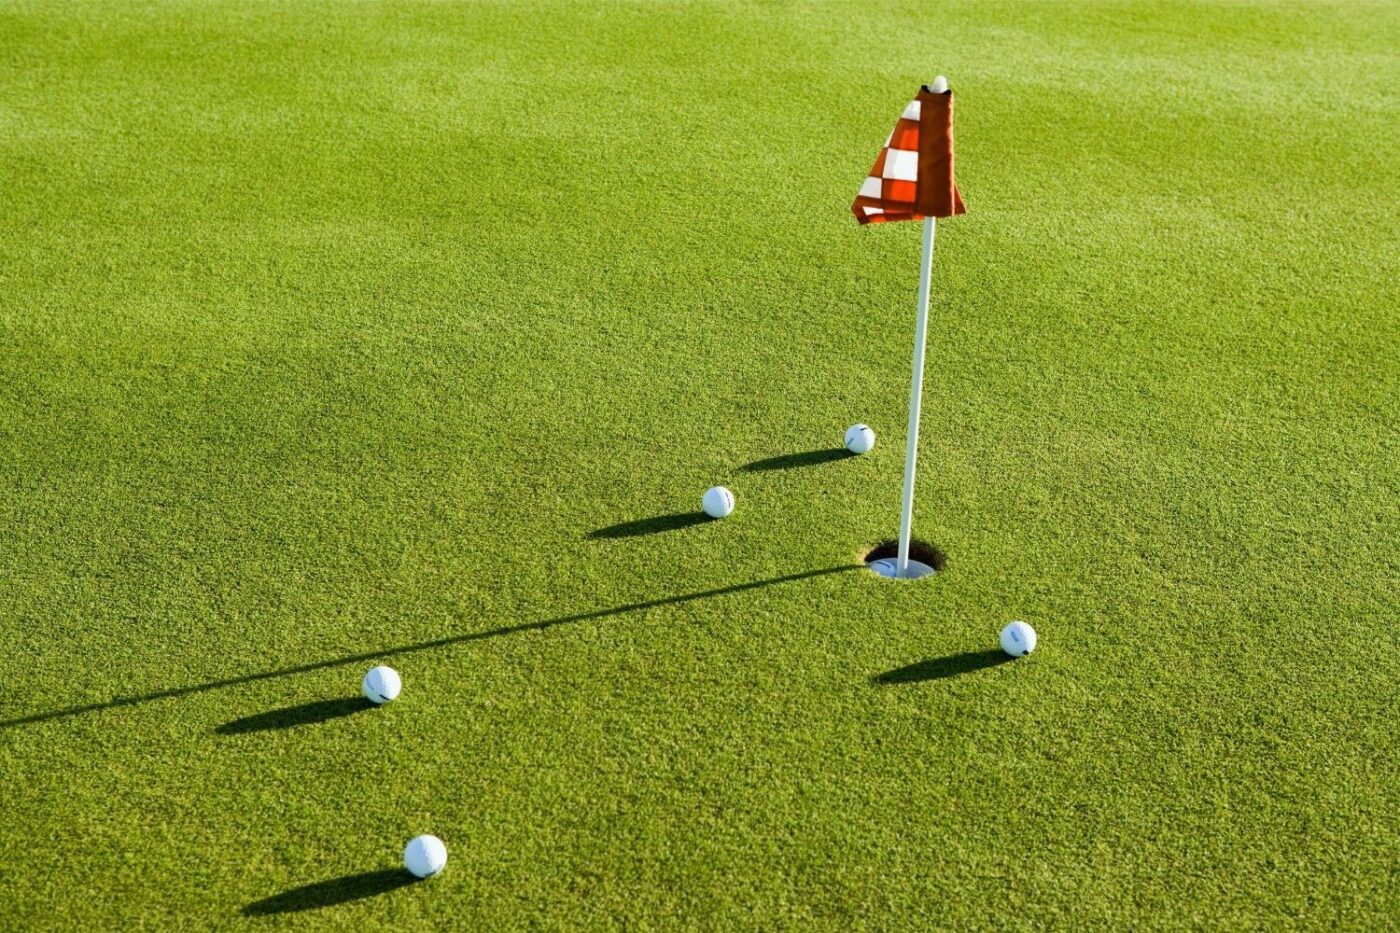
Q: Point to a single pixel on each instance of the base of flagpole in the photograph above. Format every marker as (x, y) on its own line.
(888, 567)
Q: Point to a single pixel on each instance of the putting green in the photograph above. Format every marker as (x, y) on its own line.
(334, 335)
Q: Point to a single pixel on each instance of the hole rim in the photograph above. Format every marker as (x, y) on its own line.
(919, 550)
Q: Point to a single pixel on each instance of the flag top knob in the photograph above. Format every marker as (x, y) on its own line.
(939, 85)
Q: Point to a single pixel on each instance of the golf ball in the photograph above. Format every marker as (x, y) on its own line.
(1018, 639)
(424, 856)
(381, 684)
(939, 85)
(859, 438)
(718, 502)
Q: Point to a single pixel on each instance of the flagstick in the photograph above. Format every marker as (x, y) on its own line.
(916, 391)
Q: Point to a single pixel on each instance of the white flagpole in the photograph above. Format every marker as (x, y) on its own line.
(916, 390)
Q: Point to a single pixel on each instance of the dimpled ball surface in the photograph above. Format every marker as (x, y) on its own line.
(717, 502)
(381, 685)
(1018, 639)
(425, 856)
(860, 438)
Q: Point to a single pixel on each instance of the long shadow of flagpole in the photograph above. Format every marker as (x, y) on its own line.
(420, 646)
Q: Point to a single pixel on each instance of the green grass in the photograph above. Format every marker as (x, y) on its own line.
(329, 334)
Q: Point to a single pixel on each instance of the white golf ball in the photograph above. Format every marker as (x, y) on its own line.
(859, 438)
(381, 684)
(939, 85)
(718, 502)
(1018, 639)
(424, 856)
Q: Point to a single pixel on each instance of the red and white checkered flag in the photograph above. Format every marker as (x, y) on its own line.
(913, 175)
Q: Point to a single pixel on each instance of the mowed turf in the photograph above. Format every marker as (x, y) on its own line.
(334, 335)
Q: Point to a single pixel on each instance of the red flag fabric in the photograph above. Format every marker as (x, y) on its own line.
(913, 176)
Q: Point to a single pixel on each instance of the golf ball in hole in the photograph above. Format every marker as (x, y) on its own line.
(1018, 639)
(424, 856)
(859, 438)
(381, 684)
(718, 502)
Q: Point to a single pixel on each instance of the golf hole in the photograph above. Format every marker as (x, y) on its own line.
(924, 560)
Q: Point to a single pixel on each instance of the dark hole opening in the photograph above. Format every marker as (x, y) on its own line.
(921, 551)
